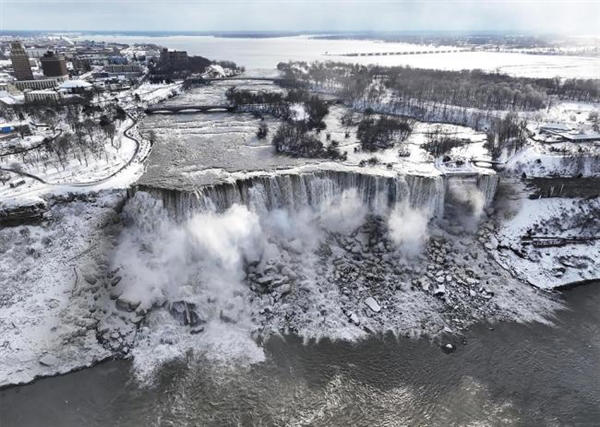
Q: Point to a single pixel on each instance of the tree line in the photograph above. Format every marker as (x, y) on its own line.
(296, 136)
(467, 88)
(383, 132)
(87, 131)
(280, 104)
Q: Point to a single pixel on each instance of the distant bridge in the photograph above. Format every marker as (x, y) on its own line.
(415, 52)
(202, 80)
(174, 109)
(488, 162)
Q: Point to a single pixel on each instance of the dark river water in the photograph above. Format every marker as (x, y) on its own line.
(511, 374)
(564, 187)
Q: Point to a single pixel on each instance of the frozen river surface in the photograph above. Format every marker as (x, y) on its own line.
(264, 54)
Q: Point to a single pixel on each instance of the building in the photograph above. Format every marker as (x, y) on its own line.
(6, 128)
(129, 69)
(9, 100)
(53, 65)
(20, 62)
(173, 58)
(582, 136)
(75, 86)
(36, 52)
(39, 84)
(41, 96)
(554, 128)
(117, 59)
(81, 65)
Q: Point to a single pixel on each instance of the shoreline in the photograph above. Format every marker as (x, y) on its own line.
(435, 343)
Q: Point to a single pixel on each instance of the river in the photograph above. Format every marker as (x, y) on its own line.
(263, 54)
(508, 374)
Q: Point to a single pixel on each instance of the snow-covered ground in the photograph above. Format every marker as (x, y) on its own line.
(119, 165)
(408, 156)
(50, 275)
(553, 266)
(536, 160)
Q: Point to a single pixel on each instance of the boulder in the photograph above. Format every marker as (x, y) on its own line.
(372, 304)
(448, 348)
(48, 360)
(440, 290)
(227, 317)
(127, 304)
(471, 281)
(284, 289)
(90, 278)
(185, 313)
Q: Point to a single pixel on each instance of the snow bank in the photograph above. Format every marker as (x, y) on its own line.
(49, 275)
(552, 266)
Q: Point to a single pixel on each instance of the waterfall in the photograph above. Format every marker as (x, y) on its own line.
(311, 189)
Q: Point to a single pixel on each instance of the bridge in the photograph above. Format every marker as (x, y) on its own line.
(174, 109)
(415, 52)
(202, 80)
(492, 163)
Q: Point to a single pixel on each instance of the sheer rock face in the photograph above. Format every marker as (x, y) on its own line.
(27, 212)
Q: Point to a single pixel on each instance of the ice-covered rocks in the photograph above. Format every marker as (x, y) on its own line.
(48, 360)
(127, 304)
(439, 290)
(90, 278)
(372, 304)
(185, 313)
(448, 348)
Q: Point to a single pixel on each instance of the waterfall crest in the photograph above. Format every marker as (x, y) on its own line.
(265, 193)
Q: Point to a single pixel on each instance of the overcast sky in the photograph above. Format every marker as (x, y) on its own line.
(577, 16)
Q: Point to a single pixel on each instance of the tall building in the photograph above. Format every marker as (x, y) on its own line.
(53, 65)
(20, 62)
(173, 58)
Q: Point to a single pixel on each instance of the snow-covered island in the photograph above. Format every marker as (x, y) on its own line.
(151, 208)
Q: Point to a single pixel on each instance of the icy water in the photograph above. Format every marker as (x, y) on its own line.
(196, 149)
(265, 53)
(564, 187)
(511, 374)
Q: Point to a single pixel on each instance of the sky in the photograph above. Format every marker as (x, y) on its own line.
(548, 16)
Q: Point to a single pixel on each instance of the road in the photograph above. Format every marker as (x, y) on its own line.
(134, 157)
(35, 147)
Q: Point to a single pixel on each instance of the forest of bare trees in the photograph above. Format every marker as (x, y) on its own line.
(506, 135)
(88, 129)
(467, 88)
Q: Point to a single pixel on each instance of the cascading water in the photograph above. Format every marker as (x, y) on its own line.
(229, 252)
(296, 191)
